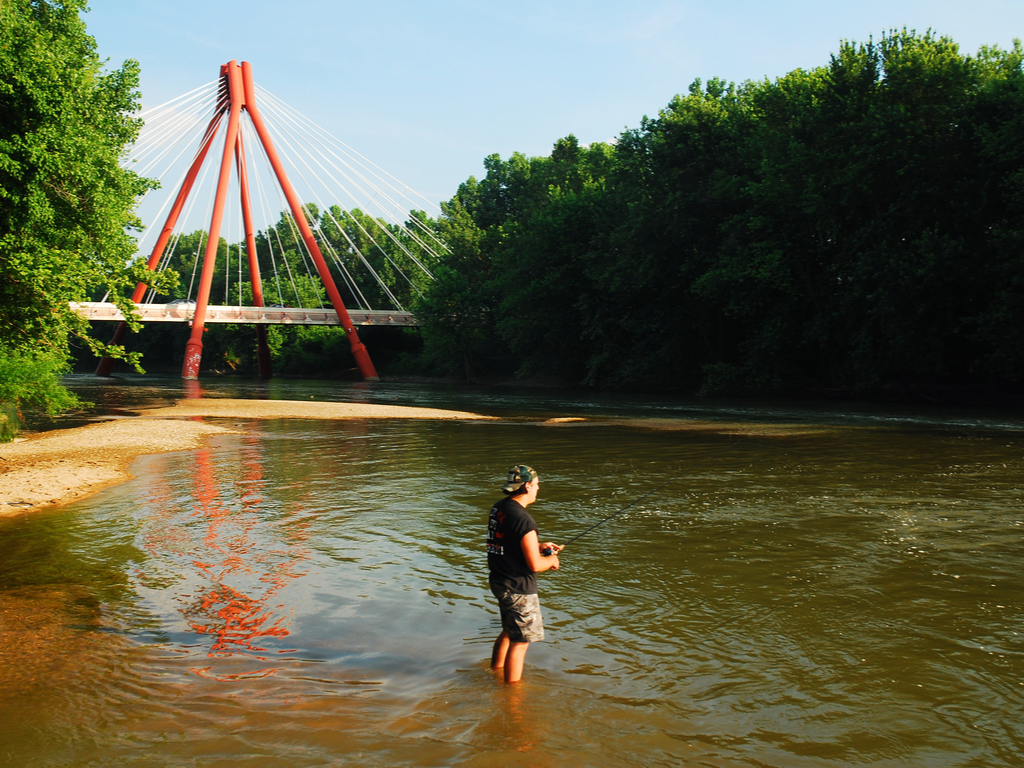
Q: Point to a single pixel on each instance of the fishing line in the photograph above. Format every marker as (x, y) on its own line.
(637, 500)
(616, 514)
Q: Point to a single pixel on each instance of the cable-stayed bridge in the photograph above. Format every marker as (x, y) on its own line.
(269, 219)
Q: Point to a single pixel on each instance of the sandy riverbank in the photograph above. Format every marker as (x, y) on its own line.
(59, 467)
(300, 409)
(66, 465)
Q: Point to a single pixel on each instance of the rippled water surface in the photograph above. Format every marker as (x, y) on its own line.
(811, 586)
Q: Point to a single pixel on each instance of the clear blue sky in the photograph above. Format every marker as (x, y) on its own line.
(427, 88)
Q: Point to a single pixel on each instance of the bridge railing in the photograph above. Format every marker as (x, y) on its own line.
(182, 312)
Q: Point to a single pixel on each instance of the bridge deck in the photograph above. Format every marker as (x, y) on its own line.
(184, 312)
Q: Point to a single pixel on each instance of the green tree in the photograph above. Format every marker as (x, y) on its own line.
(856, 226)
(65, 202)
(457, 313)
(676, 182)
(863, 255)
(543, 272)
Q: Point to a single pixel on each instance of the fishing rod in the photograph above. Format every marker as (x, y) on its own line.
(634, 502)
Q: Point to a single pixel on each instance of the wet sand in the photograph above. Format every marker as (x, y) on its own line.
(63, 466)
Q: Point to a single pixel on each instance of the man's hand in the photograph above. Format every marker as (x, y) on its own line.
(550, 549)
(537, 559)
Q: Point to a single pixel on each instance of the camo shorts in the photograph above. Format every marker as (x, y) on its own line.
(520, 615)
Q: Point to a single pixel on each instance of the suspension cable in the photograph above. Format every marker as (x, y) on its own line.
(286, 115)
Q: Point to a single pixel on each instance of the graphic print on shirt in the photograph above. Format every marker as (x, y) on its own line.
(493, 534)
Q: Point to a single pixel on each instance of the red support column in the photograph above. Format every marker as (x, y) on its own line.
(262, 347)
(359, 352)
(238, 93)
(106, 364)
(194, 347)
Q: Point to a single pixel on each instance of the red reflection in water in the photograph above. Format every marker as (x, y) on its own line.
(193, 389)
(359, 392)
(224, 552)
(246, 572)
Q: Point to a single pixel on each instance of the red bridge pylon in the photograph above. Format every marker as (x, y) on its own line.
(237, 93)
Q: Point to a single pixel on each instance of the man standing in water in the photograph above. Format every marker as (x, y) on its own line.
(514, 558)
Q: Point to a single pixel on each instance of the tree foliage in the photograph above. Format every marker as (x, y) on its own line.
(65, 202)
(856, 226)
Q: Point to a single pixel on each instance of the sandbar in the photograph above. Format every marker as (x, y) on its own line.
(67, 465)
(300, 409)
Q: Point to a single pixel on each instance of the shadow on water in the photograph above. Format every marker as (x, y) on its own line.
(811, 587)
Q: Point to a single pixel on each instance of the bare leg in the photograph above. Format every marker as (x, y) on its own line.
(500, 651)
(514, 661)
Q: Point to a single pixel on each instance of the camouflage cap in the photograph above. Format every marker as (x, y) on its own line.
(518, 475)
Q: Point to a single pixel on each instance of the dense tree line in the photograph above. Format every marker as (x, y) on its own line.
(65, 202)
(857, 226)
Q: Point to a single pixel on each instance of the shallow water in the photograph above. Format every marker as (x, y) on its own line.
(813, 585)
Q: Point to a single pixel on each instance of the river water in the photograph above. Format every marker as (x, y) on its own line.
(813, 585)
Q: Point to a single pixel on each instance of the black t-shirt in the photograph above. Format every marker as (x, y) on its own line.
(508, 524)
